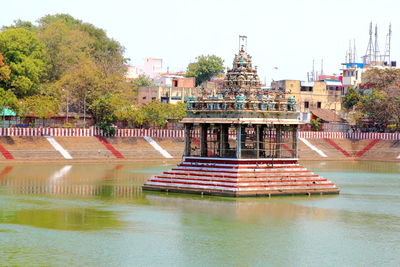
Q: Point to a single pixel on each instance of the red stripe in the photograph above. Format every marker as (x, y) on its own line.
(368, 147)
(115, 152)
(223, 176)
(239, 181)
(239, 166)
(243, 186)
(6, 154)
(332, 143)
(260, 161)
(238, 172)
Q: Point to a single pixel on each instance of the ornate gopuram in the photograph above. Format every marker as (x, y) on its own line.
(241, 141)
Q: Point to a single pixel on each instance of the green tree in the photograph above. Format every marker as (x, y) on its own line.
(140, 81)
(8, 100)
(351, 98)
(381, 103)
(104, 111)
(205, 68)
(5, 70)
(316, 124)
(377, 108)
(106, 52)
(156, 113)
(43, 107)
(132, 114)
(385, 80)
(176, 112)
(24, 54)
(65, 47)
(86, 82)
(27, 25)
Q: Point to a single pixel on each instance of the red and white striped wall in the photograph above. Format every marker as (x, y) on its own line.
(162, 133)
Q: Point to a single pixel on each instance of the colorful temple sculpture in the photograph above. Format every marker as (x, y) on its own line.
(241, 141)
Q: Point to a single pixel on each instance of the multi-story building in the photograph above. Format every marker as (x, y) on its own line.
(325, 94)
(170, 80)
(352, 75)
(151, 68)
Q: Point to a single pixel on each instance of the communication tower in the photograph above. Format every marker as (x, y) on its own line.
(370, 47)
(377, 56)
(386, 56)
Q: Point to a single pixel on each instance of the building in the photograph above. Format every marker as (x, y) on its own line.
(353, 70)
(166, 94)
(170, 80)
(241, 142)
(151, 68)
(352, 75)
(324, 94)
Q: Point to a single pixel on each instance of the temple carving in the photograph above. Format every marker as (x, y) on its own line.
(241, 141)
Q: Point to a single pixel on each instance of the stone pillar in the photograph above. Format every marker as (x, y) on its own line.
(257, 141)
(278, 139)
(188, 138)
(261, 142)
(222, 144)
(294, 140)
(239, 141)
(203, 140)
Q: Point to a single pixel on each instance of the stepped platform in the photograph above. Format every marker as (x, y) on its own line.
(241, 178)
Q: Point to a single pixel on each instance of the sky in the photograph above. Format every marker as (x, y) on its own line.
(284, 37)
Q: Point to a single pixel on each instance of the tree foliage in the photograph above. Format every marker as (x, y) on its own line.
(65, 47)
(380, 103)
(5, 70)
(351, 98)
(205, 68)
(40, 106)
(63, 63)
(24, 54)
(8, 100)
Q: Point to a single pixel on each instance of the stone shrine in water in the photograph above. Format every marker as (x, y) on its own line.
(241, 141)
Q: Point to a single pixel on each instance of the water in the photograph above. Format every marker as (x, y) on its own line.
(97, 215)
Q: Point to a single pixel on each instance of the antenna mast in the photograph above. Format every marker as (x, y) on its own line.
(350, 53)
(322, 67)
(354, 51)
(313, 70)
(386, 56)
(376, 51)
(370, 47)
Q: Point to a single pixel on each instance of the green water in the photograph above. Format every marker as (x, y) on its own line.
(97, 215)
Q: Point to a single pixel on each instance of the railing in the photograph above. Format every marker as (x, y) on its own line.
(165, 133)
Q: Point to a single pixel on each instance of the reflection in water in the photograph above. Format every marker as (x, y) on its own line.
(72, 219)
(60, 174)
(354, 166)
(5, 171)
(63, 181)
(97, 214)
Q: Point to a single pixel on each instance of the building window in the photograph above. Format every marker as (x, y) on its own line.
(306, 104)
(306, 89)
(318, 104)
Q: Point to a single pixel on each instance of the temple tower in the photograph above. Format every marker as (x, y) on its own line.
(241, 142)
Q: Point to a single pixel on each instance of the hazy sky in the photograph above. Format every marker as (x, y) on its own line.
(284, 34)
